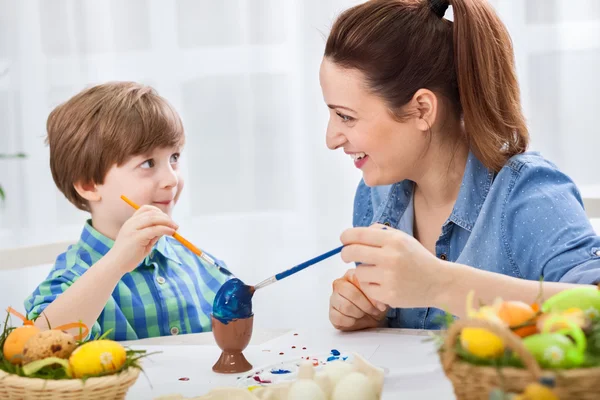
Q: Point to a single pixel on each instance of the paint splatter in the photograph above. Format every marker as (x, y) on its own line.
(304, 348)
(281, 353)
(335, 352)
(280, 371)
(295, 334)
(185, 379)
(293, 347)
(257, 379)
(332, 358)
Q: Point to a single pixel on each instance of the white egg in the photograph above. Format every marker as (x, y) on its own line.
(324, 382)
(354, 386)
(337, 370)
(305, 389)
(306, 370)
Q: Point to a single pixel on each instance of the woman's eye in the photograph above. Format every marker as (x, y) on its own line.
(344, 118)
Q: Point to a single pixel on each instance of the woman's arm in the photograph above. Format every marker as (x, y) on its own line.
(397, 270)
(457, 280)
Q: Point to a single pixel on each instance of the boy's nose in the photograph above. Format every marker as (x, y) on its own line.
(169, 178)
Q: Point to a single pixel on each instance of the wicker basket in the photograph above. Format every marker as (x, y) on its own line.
(111, 387)
(473, 382)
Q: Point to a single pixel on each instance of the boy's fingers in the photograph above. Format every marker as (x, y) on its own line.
(156, 232)
(155, 219)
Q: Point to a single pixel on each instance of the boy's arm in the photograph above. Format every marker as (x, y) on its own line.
(85, 299)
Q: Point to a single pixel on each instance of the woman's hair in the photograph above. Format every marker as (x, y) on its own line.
(401, 46)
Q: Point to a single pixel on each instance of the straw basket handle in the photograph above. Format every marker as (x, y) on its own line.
(511, 340)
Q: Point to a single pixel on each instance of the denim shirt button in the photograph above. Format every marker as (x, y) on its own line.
(598, 253)
(388, 224)
(444, 257)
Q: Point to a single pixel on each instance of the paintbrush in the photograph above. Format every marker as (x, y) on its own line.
(185, 242)
(296, 269)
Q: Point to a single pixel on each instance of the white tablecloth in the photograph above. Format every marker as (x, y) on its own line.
(412, 368)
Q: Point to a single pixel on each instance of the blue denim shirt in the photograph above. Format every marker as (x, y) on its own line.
(525, 221)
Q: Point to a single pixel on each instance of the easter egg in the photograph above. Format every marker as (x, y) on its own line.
(51, 343)
(15, 343)
(354, 386)
(481, 342)
(305, 389)
(586, 298)
(554, 350)
(97, 357)
(515, 313)
(337, 370)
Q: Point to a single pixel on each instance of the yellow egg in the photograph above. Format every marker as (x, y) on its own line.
(97, 357)
(481, 342)
(536, 391)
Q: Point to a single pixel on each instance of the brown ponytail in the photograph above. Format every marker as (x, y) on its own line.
(402, 46)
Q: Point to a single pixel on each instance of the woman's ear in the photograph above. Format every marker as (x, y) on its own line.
(426, 104)
(89, 191)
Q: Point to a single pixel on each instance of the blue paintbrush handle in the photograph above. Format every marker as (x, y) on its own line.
(307, 264)
(297, 268)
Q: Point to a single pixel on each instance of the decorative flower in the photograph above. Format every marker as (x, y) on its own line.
(554, 355)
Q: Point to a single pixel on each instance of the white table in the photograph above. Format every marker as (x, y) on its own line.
(412, 368)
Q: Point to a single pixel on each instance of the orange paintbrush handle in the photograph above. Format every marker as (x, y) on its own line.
(177, 236)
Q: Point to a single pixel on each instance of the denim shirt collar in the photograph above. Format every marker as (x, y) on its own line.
(474, 188)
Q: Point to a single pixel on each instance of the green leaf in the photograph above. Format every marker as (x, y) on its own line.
(35, 366)
(2, 195)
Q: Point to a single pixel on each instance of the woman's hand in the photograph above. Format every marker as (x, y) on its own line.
(350, 309)
(395, 268)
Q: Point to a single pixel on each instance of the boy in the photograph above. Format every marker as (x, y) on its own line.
(126, 274)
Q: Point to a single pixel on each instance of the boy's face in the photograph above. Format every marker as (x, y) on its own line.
(152, 179)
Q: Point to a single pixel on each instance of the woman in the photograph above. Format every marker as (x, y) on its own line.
(430, 111)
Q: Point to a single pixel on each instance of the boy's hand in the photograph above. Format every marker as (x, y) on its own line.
(138, 234)
(350, 309)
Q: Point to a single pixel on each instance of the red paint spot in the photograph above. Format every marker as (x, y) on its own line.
(257, 379)
(295, 334)
(281, 353)
(316, 363)
(293, 347)
(304, 348)
(185, 379)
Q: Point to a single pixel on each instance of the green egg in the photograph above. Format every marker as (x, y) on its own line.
(586, 298)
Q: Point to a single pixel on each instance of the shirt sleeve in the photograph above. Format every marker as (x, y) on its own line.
(67, 269)
(546, 230)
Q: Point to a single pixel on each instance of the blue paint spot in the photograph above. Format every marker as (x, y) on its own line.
(344, 358)
(335, 352)
(332, 358)
(280, 371)
(233, 301)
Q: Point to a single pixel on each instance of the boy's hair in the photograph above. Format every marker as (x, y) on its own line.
(106, 125)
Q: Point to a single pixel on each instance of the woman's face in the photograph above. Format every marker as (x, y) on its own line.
(360, 122)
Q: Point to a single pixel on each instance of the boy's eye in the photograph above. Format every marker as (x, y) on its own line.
(148, 164)
(175, 158)
(344, 118)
